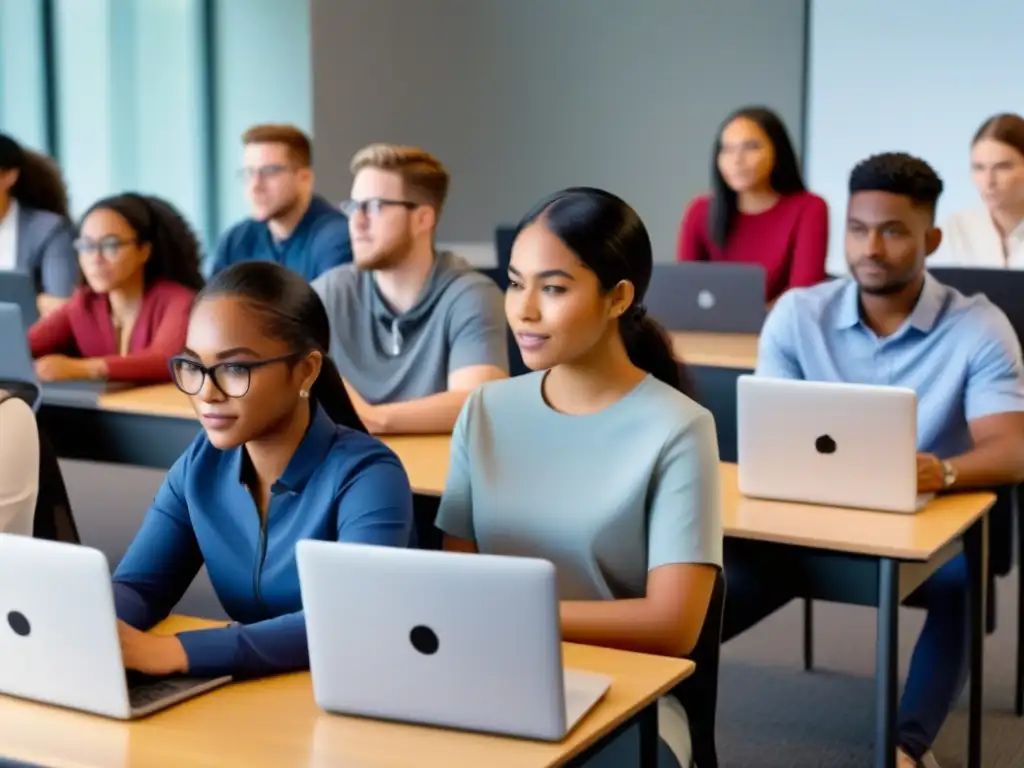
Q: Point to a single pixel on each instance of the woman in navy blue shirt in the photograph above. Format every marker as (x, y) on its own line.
(283, 456)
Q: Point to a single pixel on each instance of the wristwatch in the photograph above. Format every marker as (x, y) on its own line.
(948, 475)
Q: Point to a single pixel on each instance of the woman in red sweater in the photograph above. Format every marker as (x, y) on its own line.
(140, 261)
(759, 211)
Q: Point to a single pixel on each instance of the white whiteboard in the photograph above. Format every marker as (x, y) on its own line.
(916, 76)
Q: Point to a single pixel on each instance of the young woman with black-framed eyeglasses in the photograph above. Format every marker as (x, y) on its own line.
(282, 457)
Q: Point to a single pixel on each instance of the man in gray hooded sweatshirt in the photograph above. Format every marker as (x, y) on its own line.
(413, 331)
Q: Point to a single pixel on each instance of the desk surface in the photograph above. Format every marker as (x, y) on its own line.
(881, 534)
(717, 350)
(275, 722)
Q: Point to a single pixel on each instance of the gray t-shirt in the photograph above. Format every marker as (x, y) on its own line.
(458, 321)
(606, 497)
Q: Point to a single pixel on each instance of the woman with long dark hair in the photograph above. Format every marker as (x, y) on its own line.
(993, 234)
(598, 461)
(759, 210)
(35, 233)
(282, 457)
(140, 262)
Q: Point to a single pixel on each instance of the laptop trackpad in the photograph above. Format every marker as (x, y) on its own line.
(582, 691)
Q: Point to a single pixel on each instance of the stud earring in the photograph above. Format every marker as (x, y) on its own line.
(304, 393)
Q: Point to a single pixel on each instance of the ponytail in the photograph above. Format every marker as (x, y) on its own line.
(650, 349)
(330, 393)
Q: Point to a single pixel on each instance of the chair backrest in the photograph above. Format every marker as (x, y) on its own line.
(504, 236)
(699, 692)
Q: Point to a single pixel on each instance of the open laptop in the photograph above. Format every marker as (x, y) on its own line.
(58, 634)
(17, 373)
(440, 638)
(846, 445)
(707, 296)
(19, 288)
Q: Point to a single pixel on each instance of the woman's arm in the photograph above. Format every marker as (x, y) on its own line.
(52, 334)
(810, 245)
(19, 467)
(684, 554)
(59, 262)
(163, 558)
(690, 243)
(375, 508)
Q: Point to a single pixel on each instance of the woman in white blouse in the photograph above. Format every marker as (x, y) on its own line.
(992, 236)
(19, 465)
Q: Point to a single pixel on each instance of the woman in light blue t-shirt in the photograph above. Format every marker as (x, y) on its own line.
(598, 460)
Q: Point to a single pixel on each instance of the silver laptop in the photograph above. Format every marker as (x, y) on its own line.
(846, 445)
(440, 638)
(707, 296)
(17, 373)
(58, 634)
(19, 288)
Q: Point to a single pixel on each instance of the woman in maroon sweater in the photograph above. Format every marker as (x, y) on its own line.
(140, 261)
(759, 211)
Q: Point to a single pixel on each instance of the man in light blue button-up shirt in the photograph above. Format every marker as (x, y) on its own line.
(893, 324)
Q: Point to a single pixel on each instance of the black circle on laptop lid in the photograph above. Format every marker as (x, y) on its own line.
(424, 640)
(19, 623)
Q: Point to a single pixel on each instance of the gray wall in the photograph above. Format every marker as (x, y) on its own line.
(521, 97)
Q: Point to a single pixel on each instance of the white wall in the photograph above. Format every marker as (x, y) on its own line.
(917, 76)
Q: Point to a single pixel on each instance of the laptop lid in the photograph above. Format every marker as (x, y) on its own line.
(441, 638)
(19, 288)
(849, 445)
(58, 632)
(707, 296)
(17, 373)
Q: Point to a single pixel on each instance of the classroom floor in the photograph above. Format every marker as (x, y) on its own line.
(772, 714)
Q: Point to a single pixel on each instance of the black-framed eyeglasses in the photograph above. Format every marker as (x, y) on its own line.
(109, 247)
(372, 206)
(232, 378)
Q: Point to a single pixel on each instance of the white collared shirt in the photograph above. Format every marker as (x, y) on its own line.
(970, 239)
(9, 238)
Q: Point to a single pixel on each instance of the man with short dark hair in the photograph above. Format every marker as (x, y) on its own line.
(290, 225)
(893, 324)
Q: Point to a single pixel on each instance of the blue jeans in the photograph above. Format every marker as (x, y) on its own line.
(758, 585)
(941, 661)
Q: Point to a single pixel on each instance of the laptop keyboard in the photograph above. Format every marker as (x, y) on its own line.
(144, 690)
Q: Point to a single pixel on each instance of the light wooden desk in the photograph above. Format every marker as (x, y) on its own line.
(275, 723)
(716, 350)
(849, 556)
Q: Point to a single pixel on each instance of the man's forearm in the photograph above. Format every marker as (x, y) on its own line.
(434, 414)
(996, 462)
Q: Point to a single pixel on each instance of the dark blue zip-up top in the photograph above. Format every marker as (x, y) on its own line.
(340, 485)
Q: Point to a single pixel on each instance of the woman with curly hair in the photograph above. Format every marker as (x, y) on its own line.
(140, 261)
(35, 232)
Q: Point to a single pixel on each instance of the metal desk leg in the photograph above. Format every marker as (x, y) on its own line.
(886, 663)
(1018, 513)
(808, 634)
(976, 546)
(648, 722)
